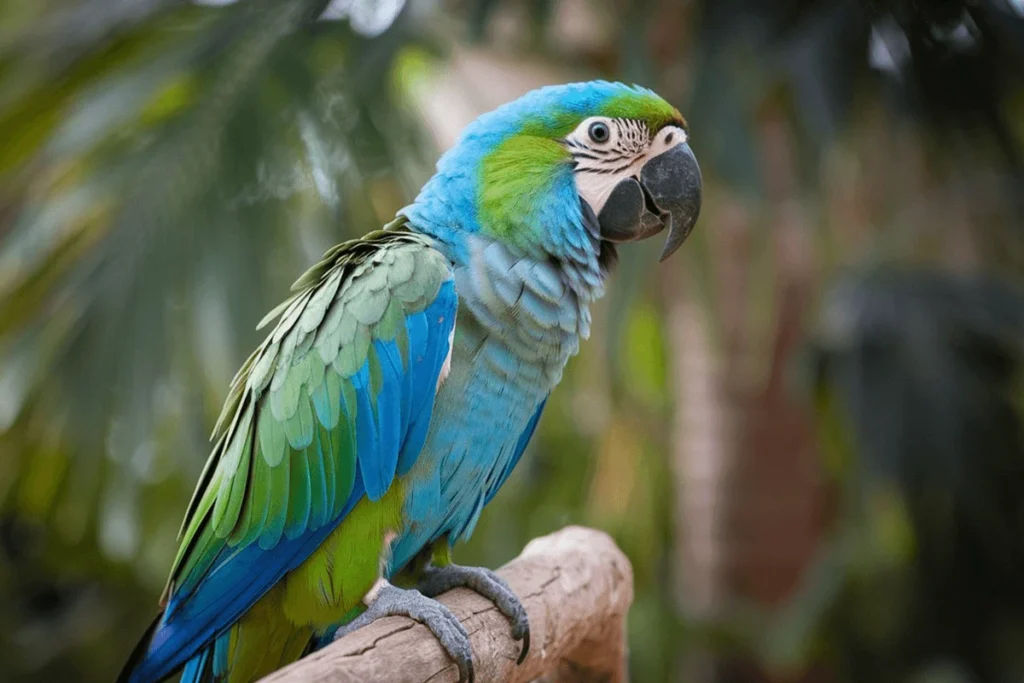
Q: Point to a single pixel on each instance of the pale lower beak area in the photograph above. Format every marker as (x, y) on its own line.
(666, 195)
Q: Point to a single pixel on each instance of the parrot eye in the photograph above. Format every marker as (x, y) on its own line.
(599, 132)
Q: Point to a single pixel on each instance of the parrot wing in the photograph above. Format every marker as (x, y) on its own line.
(332, 405)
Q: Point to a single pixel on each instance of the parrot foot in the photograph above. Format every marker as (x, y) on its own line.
(437, 580)
(392, 601)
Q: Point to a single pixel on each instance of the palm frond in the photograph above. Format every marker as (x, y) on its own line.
(189, 161)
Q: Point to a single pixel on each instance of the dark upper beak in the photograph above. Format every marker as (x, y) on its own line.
(666, 195)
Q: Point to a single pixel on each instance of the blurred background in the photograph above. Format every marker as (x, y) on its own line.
(804, 430)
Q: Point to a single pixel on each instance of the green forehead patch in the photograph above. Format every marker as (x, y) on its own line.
(647, 107)
(652, 110)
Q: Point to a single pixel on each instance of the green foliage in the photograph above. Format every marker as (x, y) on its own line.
(172, 169)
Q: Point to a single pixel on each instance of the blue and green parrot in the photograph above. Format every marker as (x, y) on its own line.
(402, 381)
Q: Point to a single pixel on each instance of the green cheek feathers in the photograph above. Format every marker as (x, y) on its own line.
(334, 579)
(513, 178)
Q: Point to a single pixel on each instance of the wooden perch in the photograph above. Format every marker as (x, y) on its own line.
(576, 586)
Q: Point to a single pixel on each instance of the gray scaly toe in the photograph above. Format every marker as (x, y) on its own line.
(393, 601)
(437, 580)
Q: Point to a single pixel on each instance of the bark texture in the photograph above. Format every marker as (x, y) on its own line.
(577, 587)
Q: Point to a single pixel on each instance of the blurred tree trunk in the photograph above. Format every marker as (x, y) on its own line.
(700, 458)
(750, 501)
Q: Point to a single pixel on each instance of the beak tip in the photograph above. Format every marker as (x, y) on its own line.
(674, 182)
(679, 230)
(672, 244)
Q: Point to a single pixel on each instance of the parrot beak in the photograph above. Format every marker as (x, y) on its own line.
(667, 194)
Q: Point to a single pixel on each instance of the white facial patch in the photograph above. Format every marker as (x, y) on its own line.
(596, 188)
(602, 163)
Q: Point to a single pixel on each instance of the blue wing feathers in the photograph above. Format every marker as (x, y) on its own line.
(372, 462)
(419, 364)
(387, 441)
(429, 346)
(416, 435)
(389, 409)
(193, 671)
(393, 370)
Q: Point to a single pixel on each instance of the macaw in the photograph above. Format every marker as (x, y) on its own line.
(402, 381)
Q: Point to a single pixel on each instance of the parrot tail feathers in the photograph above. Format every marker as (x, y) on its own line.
(139, 653)
(199, 669)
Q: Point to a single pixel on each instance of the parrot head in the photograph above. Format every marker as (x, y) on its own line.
(567, 172)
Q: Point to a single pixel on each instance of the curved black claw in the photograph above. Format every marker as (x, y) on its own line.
(393, 601)
(437, 580)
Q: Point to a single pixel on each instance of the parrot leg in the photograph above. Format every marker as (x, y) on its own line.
(439, 579)
(390, 601)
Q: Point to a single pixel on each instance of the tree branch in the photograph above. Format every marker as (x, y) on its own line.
(576, 586)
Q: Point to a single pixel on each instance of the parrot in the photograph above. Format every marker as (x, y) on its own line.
(401, 381)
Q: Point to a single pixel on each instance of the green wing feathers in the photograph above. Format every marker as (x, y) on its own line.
(284, 460)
